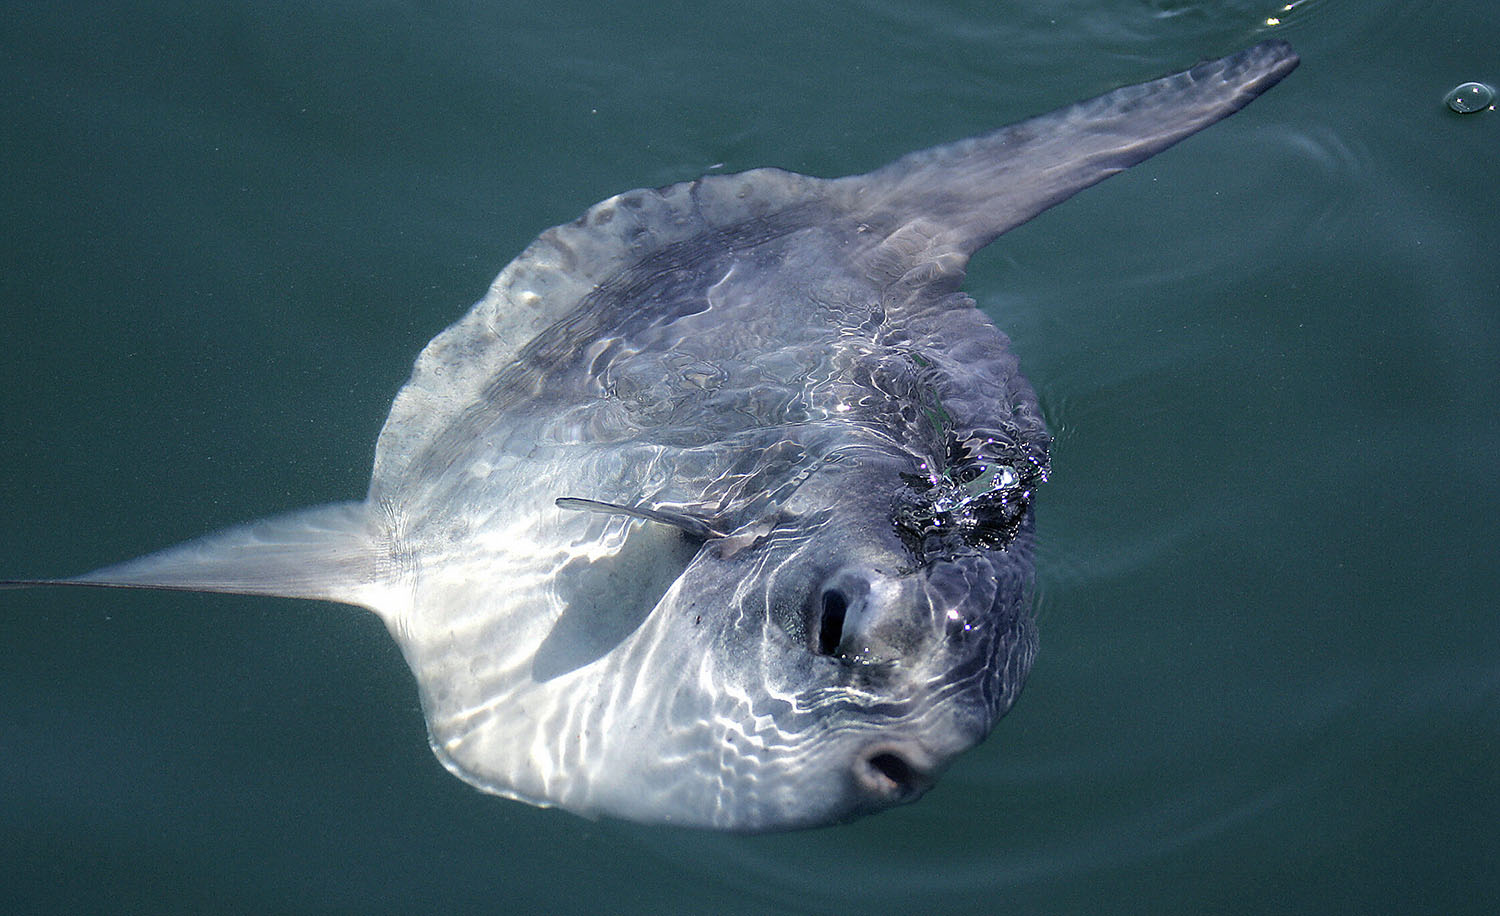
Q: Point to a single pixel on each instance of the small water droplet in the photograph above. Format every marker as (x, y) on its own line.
(1470, 97)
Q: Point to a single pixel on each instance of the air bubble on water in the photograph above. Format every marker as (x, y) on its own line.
(1470, 97)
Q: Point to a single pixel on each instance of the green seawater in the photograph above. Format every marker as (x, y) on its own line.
(1269, 677)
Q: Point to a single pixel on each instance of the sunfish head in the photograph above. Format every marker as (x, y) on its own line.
(843, 658)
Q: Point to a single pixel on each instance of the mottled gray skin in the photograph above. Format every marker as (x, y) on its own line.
(781, 400)
(716, 510)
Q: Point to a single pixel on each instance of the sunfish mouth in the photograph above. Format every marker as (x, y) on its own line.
(894, 773)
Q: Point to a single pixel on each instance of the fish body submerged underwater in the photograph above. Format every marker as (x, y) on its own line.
(716, 510)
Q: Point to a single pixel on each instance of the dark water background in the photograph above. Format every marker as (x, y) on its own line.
(1270, 669)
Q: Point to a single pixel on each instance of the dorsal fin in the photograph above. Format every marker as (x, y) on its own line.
(923, 215)
(965, 194)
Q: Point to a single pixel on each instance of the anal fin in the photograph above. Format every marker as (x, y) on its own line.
(326, 552)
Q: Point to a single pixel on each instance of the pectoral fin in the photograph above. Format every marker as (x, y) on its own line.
(691, 524)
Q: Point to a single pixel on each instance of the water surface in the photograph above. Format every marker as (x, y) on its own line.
(1269, 677)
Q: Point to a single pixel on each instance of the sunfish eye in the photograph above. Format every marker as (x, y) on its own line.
(839, 615)
(864, 616)
(831, 623)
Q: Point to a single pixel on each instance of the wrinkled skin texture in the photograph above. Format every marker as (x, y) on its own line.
(716, 510)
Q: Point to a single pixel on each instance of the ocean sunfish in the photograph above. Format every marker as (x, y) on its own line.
(717, 509)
